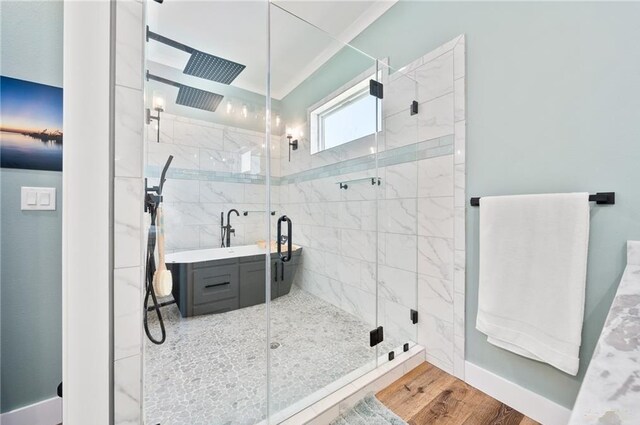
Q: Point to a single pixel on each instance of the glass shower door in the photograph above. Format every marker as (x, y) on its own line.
(288, 227)
(323, 327)
(205, 91)
(398, 213)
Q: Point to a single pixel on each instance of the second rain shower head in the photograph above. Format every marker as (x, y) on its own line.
(191, 96)
(201, 64)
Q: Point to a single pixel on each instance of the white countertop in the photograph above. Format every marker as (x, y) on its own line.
(199, 255)
(610, 392)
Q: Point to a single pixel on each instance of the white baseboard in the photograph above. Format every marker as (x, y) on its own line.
(46, 412)
(523, 400)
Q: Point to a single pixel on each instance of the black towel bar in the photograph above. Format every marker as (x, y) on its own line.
(600, 198)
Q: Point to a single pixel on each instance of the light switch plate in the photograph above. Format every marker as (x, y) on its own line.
(38, 198)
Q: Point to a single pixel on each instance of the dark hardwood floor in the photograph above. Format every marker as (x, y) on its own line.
(430, 396)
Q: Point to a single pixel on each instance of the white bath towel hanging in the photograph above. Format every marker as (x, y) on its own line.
(533, 265)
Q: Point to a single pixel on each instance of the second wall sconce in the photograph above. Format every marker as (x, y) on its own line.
(293, 144)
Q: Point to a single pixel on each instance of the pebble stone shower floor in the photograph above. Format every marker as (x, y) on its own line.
(212, 368)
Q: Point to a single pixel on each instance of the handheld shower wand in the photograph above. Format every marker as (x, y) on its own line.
(164, 172)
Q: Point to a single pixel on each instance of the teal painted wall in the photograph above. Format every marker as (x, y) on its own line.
(553, 105)
(31, 241)
(31, 292)
(341, 69)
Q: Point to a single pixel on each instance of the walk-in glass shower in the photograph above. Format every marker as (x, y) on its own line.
(289, 215)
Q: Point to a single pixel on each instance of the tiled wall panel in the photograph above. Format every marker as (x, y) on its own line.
(128, 220)
(418, 210)
(215, 168)
(459, 75)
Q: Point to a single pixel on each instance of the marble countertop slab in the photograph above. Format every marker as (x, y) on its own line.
(210, 254)
(610, 392)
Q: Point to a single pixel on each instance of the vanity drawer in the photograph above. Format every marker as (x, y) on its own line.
(215, 307)
(213, 284)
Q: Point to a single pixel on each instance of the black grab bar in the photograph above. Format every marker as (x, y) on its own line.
(287, 257)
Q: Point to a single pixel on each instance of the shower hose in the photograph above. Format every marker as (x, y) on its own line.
(150, 270)
(151, 205)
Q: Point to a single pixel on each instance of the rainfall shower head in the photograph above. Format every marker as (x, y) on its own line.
(201, 64)
(200, 99)
(191, 96)
(213, 68)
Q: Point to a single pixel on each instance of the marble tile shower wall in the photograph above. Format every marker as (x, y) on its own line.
(128, 229)
(215, 168)
(420, 211)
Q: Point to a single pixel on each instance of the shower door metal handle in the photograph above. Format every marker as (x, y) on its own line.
(284, 258)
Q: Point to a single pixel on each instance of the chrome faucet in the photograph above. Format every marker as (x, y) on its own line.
(227, 230)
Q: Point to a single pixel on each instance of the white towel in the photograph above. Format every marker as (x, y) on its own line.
(533, 266)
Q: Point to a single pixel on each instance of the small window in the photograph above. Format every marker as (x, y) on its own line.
(245, 162)
(349, 116)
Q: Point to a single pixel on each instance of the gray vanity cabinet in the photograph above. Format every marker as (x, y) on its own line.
(219, 286)
(252, 289)
(215, 289)
(252, 280)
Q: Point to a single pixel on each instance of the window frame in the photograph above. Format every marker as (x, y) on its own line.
(355, 90)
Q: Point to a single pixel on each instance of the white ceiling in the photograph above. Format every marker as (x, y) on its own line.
(237, 30)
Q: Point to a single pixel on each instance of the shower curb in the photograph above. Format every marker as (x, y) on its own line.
(331, 406)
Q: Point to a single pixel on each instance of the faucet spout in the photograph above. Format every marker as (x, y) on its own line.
(228, 228)
(229, 215)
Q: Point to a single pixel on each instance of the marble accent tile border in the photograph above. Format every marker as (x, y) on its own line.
(409, 153)
(153, 171)
(422, 150)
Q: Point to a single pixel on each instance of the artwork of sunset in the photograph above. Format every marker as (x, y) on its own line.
(30, 125)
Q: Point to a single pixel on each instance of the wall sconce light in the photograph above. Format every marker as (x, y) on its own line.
(158, 106)
(293, 144)
(245, 111)
(229, 107)
(278, 120)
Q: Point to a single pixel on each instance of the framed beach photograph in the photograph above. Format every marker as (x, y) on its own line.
(30, 125)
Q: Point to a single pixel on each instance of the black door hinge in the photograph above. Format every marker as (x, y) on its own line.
(376, 336)
(414, 107)
(414, 317)
(376, 89)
